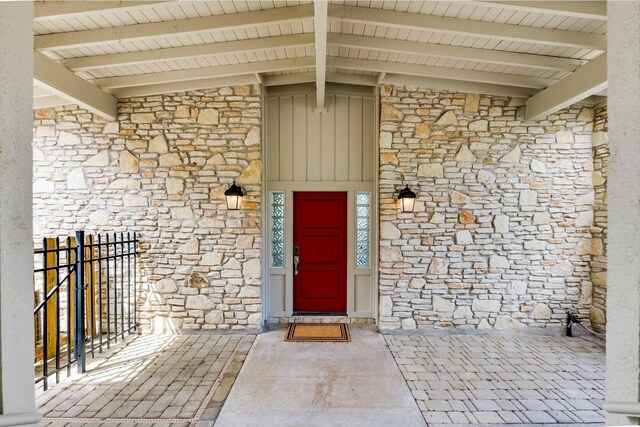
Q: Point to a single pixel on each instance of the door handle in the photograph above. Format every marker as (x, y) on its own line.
(296, 261)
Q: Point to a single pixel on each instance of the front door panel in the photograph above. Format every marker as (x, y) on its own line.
(320, 236)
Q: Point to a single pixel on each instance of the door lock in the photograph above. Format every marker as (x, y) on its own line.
(296, 261)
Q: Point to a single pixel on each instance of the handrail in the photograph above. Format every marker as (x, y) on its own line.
(630, 409)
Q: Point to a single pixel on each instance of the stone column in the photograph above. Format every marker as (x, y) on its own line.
(17, 398)
(623, 281)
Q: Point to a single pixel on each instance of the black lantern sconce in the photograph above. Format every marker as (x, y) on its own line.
(233, 195)
(407, 199)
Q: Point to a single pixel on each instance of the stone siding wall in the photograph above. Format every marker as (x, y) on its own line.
(500, 237)
(161, 170)
(600, 224)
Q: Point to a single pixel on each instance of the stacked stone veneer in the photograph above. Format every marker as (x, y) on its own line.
(510, 227)
(501, 234)
(161, 170)
(600, 224)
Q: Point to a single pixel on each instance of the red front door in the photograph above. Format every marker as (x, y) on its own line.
(320, 243)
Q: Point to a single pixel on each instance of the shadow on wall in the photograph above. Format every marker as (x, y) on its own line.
(161, 170)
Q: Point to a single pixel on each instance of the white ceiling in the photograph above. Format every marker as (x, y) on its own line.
(136, 48)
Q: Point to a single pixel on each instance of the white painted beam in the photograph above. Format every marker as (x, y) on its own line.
(439, 72)
(289, 79)
(457, 85)
(185, 86)
(203, 73)
(309, 77)
(58, 9)
(352, 79)
(60, 81)
(575, 9)
(146, 56)
(455, 52)
(584, 82)
(181, 26)
(320, 29)
(518, 33)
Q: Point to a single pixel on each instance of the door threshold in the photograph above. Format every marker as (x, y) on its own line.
(307, 317)
(317, 314)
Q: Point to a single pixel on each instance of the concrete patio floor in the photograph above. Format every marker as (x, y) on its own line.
(185, 381)
(320, 384)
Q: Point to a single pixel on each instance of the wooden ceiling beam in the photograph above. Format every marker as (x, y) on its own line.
(491, 30)
(574, 9)
(352, 79)
(185, 86)
(587, 80)
(320, 29)
(289, 79)
(439, 72)
(309, 77)
(64, 83)
(457, 85)
(74, 39)
(205, 72)
(173, 53)
(61, 9)
(455, 52)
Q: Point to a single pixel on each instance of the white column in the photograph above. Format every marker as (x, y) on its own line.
(623, 281)
(17, 399)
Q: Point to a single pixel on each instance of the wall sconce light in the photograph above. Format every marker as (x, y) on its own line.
(407, 199)
(233, 196)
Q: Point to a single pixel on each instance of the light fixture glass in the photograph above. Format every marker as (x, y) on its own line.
(233, 195)
(407, 199)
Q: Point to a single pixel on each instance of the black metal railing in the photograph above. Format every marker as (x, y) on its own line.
(85, 292)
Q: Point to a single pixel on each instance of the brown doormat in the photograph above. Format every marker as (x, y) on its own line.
(317, 332)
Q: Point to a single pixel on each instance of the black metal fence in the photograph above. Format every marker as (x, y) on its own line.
(85, 292)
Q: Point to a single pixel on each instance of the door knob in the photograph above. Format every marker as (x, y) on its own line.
(296, 261)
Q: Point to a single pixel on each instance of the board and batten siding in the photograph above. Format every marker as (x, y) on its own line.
(331, 150)
(334, 146)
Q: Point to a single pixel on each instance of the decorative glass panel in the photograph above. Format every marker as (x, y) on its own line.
(363, 219)
(277, 229)
(362, 199)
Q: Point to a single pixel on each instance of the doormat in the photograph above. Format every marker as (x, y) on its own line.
(317, 332)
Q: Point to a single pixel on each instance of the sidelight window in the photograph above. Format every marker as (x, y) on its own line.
(277, 229)
(363, 220)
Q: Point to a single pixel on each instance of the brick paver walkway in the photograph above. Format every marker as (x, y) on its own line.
(482, 380)
(183, 379)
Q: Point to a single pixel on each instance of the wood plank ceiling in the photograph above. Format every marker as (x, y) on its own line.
(137, 48)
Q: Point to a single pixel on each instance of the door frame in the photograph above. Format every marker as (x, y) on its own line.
(268, 186)
(350, 188)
